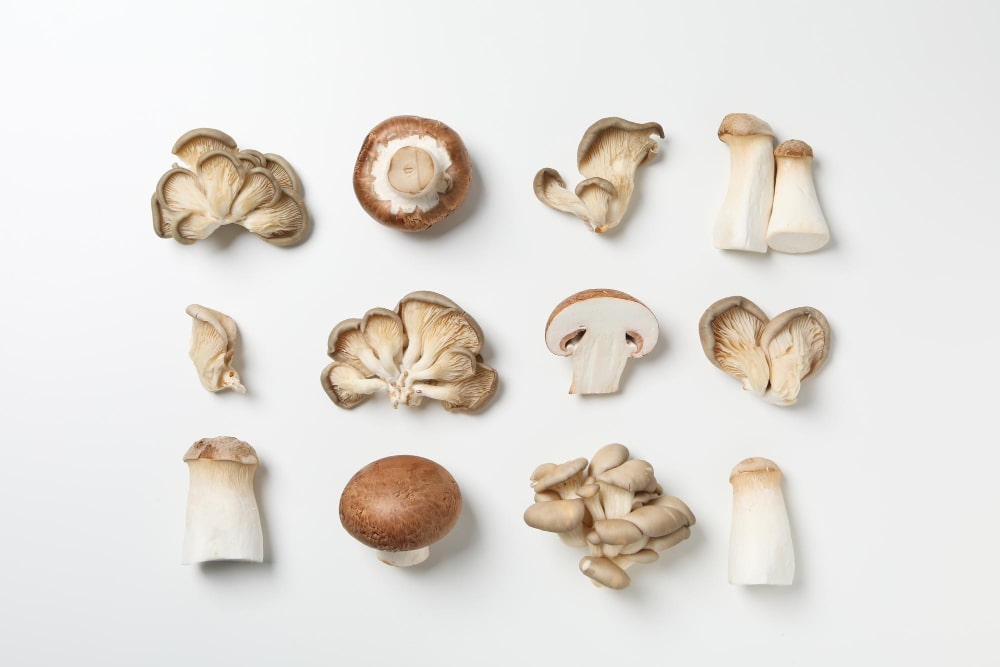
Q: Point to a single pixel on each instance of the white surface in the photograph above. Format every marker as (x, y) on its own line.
(890, 457)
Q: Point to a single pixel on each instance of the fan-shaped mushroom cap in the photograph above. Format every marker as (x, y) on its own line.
(657, 520)
(676, 503)
(192, 145)
(743, 125)
(617, 139)
(730, 329)
(559, 474)
(222, 448)
(797, 343)
(617, 532)
(555, 516)
(634, 475)
(213, 336)
(608, 457)
(412, 172)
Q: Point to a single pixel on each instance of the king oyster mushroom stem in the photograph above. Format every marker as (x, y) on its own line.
(742, 221)
(223, 522)
(760, 543)
(611, 151)
(797, 222)
(427, 348)
(213, 335)
(601, 329)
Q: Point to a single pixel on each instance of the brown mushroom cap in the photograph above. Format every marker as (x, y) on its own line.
(793, 148)
(222, 448)
(400, 503)
(705, 330)
(743, 125)
(399, 127)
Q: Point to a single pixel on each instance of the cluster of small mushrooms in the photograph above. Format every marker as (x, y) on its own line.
(771, 200)
(614, 507)
(770, 357)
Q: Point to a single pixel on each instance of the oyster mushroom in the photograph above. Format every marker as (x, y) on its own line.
(213, 335)
(742, 221)
(601, 329)
(611, 151)
(223, 522)
(797, 223)
(796, 343)
(412, 172)
(760, 542)
(730, 330)
(399, 506)
(427, 348)
(222, 185)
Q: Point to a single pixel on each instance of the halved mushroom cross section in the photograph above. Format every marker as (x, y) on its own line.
(427, 347)
(601, 329)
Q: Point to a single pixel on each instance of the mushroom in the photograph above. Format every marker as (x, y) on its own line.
(212, 337)
(222, 185)
(428, 347)
(399, 506)
(742, 222)
(796, 343)
(412, 172)
(611, 151)
(797, 223)
(601, 329)
(223, 522)
(730, 331)
(760, 544)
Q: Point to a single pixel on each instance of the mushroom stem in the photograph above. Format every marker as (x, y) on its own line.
(223, 522)
(598, 362)
(760, 544)
(742, 221)
(404, 558)
(797, 222)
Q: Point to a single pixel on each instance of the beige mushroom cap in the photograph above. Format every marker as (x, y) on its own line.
(778, 324)
(793, 148)
(755, 465)
(559, 474)
(595, 132)
(705, 330)
(743, 125)
(222, 448)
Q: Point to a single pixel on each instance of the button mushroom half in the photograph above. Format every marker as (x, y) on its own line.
(412, 172)
(601, 329)
(399, 506)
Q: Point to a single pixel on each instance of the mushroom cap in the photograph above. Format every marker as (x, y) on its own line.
(755, 464)
(565, 322)
(400, 127)
(400, 503)
(743, 125)
(558, 474)
(793, 148)
(594, 132)
(222, 448)
(608, 457)
(202, 135)
(721, 306)
(775, 327)
(634, 475)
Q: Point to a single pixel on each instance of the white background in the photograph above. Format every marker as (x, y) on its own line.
(890, 457)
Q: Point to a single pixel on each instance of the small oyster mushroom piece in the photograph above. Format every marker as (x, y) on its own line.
(617, 532)
(797, 343)
(675, 503)
(556, 516)
(656, 520)
(665, 542)
(625, 561)
(223, 522)
(619, 486)
(742, 221)
(412, 172)
(797, 223)
(760, 542)
(608, 457)
(730, 332)
(601, 329)
(399, 506)
(604, 572)
(564, 479)
(213, 335)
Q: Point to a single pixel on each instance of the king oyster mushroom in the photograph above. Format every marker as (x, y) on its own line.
(742, 220)
(412, 172)
(222, 185)
(611, 151)
(797, 222)
(213, 335)
(428, 347)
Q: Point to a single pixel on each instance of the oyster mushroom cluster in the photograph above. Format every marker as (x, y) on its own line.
(427, 348)
(222, 185)
(611, 151)
(612, 505)
(770, 357)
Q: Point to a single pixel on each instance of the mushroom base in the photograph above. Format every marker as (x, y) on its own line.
(404, 558)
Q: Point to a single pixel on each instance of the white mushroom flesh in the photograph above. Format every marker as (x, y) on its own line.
(797, 223)
(742, 221)
(400, 173)
(760, 543)
(223, 522)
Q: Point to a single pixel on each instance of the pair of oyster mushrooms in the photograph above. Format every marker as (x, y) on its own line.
(613, 506)
(770, 358)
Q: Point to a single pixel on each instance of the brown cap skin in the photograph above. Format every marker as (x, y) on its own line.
(743, 125)
(222, 448)
(399, 127)
(793, 148)
(589, 294)
(400, 503)
(756, 464)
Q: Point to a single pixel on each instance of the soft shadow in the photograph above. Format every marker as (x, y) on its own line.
(468, 208)
(454, 545)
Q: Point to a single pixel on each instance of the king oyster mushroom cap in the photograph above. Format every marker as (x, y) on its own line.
(601, 329)
(213, 335)
(604, 572)
(742, 221)
(223, 522)
(797, 223)
(760, 542)
(730, 331)
(555, 516)
(412, 172)
(797, 343)
(400, 505)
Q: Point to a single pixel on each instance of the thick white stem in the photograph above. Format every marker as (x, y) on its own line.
(404, 558)
(797, 222)
(760, 543)
(598, 361)
(222, 518)
(742, 221)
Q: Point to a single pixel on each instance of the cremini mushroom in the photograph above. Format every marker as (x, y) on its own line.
(614, 507)
(742, 221)
(760, 542)
(601, 329)
(412, 172)
(213, 335)
(399, 506)
(611, 151)
(769, 357)
(797, 222)
(222, 185)
(427, 348)
(223, 522)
